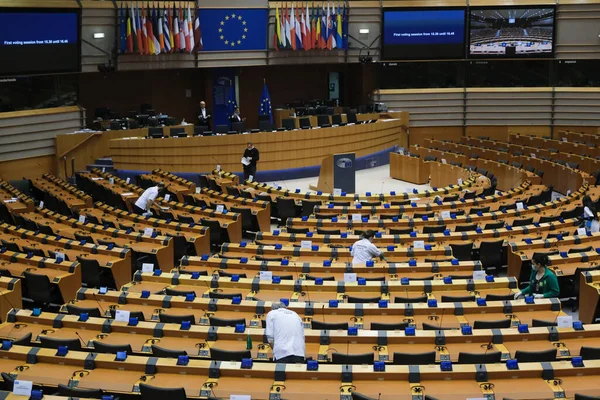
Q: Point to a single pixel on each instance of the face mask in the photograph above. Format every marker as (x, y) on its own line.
(533, 268)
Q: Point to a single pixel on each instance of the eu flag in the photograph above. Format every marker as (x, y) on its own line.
(231, 103)
(233, 29)
(265, 104)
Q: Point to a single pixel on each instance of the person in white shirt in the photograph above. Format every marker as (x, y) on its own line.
(590, 215)
(146, 200)
(285, 334)
(364, 249)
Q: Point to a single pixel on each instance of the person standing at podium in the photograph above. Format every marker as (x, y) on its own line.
(236, 117)
(203, 116)
(249, 160)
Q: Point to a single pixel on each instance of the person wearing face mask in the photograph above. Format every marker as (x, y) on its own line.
(364, 249)
(542, 282)
(249, 160)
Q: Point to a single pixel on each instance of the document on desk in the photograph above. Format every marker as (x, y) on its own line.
(245, 161)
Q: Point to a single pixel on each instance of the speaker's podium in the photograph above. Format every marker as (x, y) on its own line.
(338, 171)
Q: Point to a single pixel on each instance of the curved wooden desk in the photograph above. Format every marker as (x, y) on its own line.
(278, 150)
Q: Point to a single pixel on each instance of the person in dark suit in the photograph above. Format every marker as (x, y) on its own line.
(236, 117)
(204, 117)
(252, 155)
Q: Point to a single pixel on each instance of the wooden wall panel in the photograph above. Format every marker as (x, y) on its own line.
(418, 135)
(27, 167)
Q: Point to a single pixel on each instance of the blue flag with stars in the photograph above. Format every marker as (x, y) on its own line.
(231, 103)
(234, 29)
(265, 104)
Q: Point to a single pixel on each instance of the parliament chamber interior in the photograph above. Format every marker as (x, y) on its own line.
(254, 199)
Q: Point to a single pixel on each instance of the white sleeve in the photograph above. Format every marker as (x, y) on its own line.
(269, 328)
(587, 212)
(374, 250)
(152, 195)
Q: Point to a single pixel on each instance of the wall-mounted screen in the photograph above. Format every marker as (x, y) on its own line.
(511, 32)
(39, 41)
(423, 34)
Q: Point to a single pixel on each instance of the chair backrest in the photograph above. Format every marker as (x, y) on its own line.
(227, 322)
(112, 348)
(426, 358)
(352, 359)
(238, 126)
(53, 343)
(177, 132)
(380, 326)
(266, 126)
(489, 357)
(304, 123)
(155, 132)
(288, 123)
(162, 352)
(66, 391)
(160, 393)
(222, 128)
(351, 117)
(199, 130)
(329, 325)
(38, 287)
(535, 356)
(229, 355)
(176, 319)
(74, 310)
(323, 120)
(499, 324)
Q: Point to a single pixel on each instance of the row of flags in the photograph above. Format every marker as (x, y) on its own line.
(152, 30)
(304, 28)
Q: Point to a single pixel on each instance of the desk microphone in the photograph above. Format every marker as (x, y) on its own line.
(323, 312)
(80, 338)
(441, 318)
(488, 346)
(557, 315)
(382, 182)
(97, 301)
(215, 160)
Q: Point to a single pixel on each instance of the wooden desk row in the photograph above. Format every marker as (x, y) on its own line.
(589, 298)
(586, 163)
(203, 378)
(580, 137)
(66, 275)
(199, 340)
(160, 248)
(10, 295)
(117, 261)
(15, 201)
(392, 196)
(562, 178)
(559, 145)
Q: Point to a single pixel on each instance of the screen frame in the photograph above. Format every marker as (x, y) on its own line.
(433, 8)
(43, 10)
(549, 56)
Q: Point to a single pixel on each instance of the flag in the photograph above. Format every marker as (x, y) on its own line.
(338, 30)
(197, 32)
(181, 30)
(345, 28)
(175, 30)
(190, 30)
(282, 36)
(303, 29)
(292, 28)
(298, 30)
(145, 32)
(123, 30)
(161, 33)
(155, 32)
(288, 28)
(138, 32)
(150, 32)
(166, 32)
(134, 43)
(171, 39)
(323, 38)
(265, 103)
(316, 28)
(277, 30)
(330, 38)
(231, 103)
(186, 32)
(234, 29)
(129, 48)
(307, 22)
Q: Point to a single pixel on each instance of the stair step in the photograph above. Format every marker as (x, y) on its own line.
(104, 161)
(107, 168)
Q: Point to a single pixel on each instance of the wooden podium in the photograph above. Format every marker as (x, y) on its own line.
(338, 171)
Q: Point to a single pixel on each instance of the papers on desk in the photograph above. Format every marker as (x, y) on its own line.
(265, 275)
(122, 315)
(167, 197)
(127, 180)
(22, 388)
(240, 397)
(220, 208)
(564, 321)
(148, 231)
(10, 201)
(41, 204)
(306, 244)
(147, 267)
(479, 275)
(245, 161)
(127, 194)
(97, 179)
(350, 277)
(337, 192)
(581, 232)
(165, 208)
(198, 189)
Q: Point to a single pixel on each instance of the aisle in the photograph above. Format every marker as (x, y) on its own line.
(374, 180)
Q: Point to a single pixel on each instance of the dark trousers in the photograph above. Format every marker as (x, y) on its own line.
(249, 170)
(291, 360)
(138, 210)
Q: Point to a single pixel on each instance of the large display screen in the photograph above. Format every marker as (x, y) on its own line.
(39, 41)
(511, 32)
(423, 34)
